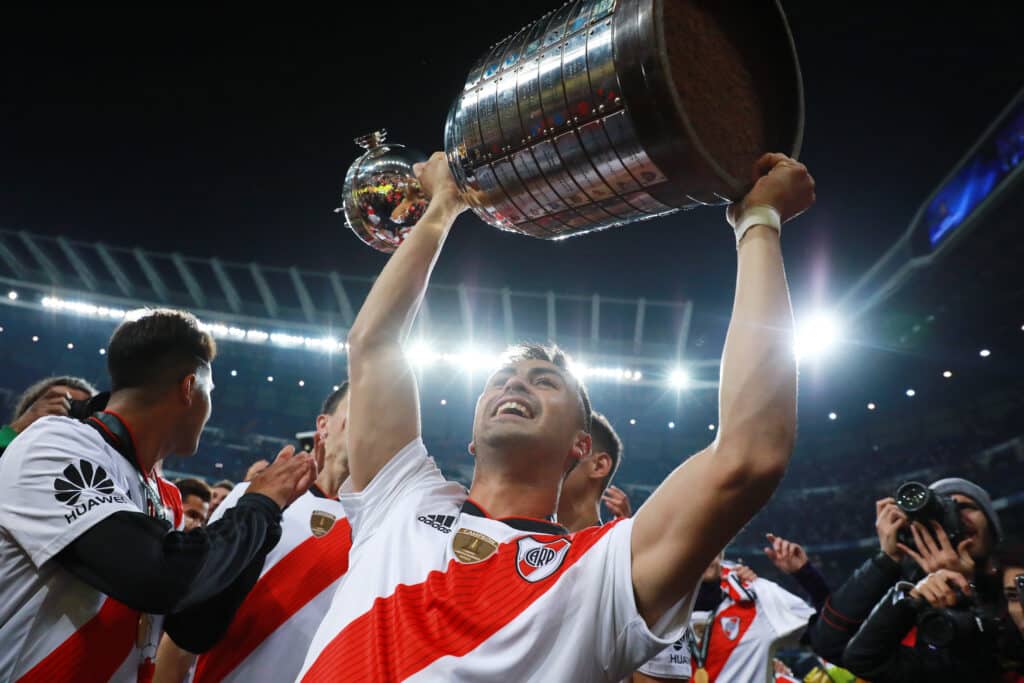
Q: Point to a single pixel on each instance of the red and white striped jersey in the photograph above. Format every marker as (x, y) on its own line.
(438, 591)
(744, 634)
(57, 479)
(268, 637)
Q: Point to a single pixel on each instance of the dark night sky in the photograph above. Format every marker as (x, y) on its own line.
(228, 132)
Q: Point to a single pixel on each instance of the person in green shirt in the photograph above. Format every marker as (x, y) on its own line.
(49, 396)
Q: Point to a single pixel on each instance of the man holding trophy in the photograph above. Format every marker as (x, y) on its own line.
(492, 586)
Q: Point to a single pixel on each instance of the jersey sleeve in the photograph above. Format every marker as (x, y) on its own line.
(56, 484)
(787, 613)
(623, 638)
(673, 663)
(230, 501)
(408, 470)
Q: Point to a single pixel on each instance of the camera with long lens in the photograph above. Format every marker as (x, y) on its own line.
(922, 504)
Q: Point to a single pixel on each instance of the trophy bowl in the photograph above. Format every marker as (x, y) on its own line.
(603, 113)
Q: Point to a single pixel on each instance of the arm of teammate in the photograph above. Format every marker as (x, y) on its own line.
(161, 572)
(705, 501)
(384, 409)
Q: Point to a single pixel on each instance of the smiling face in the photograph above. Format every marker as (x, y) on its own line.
(531, 410)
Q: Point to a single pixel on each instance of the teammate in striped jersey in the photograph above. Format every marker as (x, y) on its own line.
(89, 562)
(503, 592)
(268, 637)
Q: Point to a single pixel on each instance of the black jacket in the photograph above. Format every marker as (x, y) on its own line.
(850, 604)
(878, 653)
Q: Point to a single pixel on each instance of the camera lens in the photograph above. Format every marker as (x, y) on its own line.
(912, 496)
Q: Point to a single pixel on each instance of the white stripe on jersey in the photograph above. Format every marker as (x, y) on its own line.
(300, 559)
(541, 607)
(58, 478)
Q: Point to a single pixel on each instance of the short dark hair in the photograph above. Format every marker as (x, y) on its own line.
(334, 398)
(38, 389)
(560, 359)
(159, 347)
(193, 487)
(605, 440)
(224, 484)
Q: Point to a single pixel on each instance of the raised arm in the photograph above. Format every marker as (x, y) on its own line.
(700, 506)
(384, 409)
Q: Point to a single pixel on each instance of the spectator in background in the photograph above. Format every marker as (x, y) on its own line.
(219, 492)
(255, 469)
(195, 502)
(579, 505)
(849, 606)
(1011, 645)
(50, 396)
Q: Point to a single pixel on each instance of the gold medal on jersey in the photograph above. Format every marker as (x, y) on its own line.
(700, 676)
(321, 522)
(471, 546)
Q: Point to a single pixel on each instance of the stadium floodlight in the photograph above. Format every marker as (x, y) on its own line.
(947, 374)
(420, 354)
(871, 406)
(817, 336)
(911, 393)
(711, 427)
(234, 373)
(474, 360)
(270, 378)
(632, 421)
(12, 295)
(103, 352)
(984, 353)
(833, 417)
(671, 425)
(302, 382)
(444, 401)
(71, 347)
(679, 379)
(35, 338)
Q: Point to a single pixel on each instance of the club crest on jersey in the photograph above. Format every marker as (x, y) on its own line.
(536, 561)
(321, 522)
(731, 627)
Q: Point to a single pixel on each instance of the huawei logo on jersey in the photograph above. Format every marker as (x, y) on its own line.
(536, 561)
(79, 480)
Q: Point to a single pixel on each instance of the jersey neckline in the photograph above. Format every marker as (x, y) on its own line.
(528, 524)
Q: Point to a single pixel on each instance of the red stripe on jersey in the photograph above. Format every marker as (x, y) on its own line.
(450, 613)
(286, 588)
(170, 496)
(94, 652)
(722, 646)
(910, 640)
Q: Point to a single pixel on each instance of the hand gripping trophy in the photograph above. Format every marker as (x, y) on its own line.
(602, 113)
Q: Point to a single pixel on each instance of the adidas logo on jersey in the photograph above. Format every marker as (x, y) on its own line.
(442, 523)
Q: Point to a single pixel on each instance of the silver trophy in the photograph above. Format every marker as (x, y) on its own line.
(606, 112)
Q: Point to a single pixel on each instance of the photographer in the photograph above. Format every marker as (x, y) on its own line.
(49, 396)
(91, 570)
(968, 516)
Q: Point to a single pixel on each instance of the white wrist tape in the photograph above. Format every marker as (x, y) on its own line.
(758, 215)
